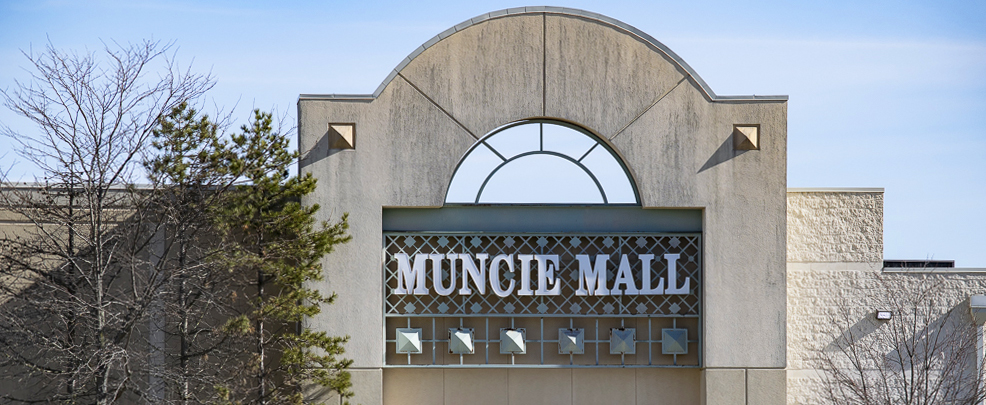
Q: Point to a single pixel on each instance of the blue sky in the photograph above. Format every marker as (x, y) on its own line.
(882, 93)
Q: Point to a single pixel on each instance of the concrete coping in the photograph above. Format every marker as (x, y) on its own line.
(627, 28)
(835, 190)
(931, 270)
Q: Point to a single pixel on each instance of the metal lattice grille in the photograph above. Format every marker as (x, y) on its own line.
(542, 316)
(566, 247)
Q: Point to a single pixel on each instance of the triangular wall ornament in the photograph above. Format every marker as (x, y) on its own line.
(342, 136)
(746, 136)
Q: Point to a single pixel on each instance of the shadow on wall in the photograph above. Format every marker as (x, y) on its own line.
(860, 329)
(946, 335)
(725, 152)
(330, 143)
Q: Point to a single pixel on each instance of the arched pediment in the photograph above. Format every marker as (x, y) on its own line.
(630, 30)
(628, 89)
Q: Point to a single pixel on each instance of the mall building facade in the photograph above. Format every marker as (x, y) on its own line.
(549, 206)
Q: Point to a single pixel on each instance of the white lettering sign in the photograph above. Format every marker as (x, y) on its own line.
(592, 274)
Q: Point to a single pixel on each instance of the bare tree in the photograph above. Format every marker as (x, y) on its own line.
(191, 179)
(925, 354)
(80, 281)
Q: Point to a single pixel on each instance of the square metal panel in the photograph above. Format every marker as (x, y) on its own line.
(674, 341)
(409, 340)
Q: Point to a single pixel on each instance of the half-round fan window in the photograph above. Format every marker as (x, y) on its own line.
(541, 162)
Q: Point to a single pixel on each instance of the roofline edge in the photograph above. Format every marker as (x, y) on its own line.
(654, 43)
(835, 190)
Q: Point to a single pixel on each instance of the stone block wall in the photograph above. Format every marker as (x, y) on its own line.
(821, 294)
(839, 225)
(835, 277)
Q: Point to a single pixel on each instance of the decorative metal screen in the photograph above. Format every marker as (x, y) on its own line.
(542, 317)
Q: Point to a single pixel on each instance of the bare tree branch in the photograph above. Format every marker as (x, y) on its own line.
(926, 354)
(77, 281)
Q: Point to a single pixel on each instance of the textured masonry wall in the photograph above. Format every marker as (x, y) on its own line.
(819, 292)
(835, 262)
(835, 227)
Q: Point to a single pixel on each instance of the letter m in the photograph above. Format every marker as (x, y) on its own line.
(411, 279)
(592, 278)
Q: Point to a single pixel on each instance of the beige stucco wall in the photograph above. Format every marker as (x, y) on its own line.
(537, 387)
(18, 223)
(672, 133)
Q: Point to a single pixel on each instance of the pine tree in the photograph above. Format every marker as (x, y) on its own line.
(275, 238)
(236, 229)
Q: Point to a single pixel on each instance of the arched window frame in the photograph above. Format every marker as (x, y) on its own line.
(598, 142)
